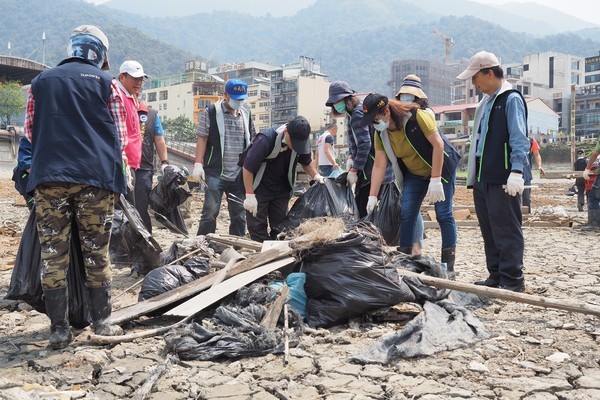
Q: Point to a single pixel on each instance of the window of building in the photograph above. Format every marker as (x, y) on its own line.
(525, 67)
(164, 106)
(264, 117)
(252, 93)
(152, 96)
(160, 107)
(525, 90)
(202, 104)
(163, 95)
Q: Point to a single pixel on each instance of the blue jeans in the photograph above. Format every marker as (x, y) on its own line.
(325, 170)
(215, 187)
(413, 194)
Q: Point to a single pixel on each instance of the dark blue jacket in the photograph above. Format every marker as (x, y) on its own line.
(74, 137)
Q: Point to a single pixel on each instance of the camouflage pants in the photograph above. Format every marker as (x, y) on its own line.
(56, 206)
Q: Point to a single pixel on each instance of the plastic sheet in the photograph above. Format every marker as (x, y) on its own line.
(26, 279)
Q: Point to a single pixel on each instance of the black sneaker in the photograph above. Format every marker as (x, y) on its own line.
(487, 282)
(517, 288)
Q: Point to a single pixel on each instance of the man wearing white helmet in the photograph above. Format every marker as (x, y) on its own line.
(75, 121)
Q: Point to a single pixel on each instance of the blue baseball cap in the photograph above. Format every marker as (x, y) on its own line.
(237, 89)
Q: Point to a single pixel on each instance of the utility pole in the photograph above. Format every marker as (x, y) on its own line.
(448, 41)
(572, 124)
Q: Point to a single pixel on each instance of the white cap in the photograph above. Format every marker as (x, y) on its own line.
(132, 68)
(91, 30)
(479, 61)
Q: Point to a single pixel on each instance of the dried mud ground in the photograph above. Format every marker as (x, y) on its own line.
(534, 353)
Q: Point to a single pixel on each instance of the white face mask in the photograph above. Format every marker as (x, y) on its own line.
(381, 125)
(235, 104)
(406, 98)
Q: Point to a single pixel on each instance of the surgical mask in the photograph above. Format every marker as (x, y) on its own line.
(235, 104)
(381, 125)
(340, 107)
(406, 98)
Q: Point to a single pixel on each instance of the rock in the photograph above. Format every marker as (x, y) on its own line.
(558, 357)
(477, 367)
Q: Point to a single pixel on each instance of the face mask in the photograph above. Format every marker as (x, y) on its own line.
(340, 107)
(381, 125)
(406, 98)
(235, 104)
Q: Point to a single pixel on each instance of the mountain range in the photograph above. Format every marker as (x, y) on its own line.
(353, 40)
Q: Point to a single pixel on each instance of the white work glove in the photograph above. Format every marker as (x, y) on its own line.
(586, 174)
(162, 167)
(352, 178)
(319, 179)
(129, 178)
(250, 204)
(198, 173)
(371, 204)
(515, 184)
(435, 191)
(349, 164)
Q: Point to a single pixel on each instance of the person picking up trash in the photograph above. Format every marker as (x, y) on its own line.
(269, 172)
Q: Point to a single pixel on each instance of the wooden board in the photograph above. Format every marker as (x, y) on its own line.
(216, 293)
(133, 311)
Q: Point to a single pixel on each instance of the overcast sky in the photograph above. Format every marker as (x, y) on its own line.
(587, 10)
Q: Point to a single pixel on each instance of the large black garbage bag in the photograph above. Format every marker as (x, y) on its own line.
(169, 277)
(26, 279)
(130, 240)
(348, 277)
(331, 199)
(166, 197)
(386, 216)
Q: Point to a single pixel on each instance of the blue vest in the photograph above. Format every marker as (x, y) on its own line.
(74, 137)
(495, 163)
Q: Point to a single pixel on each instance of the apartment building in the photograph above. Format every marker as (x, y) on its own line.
(587, 101)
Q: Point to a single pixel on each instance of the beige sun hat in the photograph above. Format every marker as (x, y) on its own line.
(412, 85)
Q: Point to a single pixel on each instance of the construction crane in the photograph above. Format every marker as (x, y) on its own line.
(449, 43)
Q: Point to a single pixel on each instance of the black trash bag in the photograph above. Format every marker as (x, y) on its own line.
(142, 251)
(386, 216)
(198, 266)
(26, 279)
(117, 248)
(166, 197)
(332, 199)
(348, 277)
(163, 279)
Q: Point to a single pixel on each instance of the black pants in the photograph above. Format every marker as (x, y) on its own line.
(580, 183)
(141, 192)
(499, 216)
(271, 212)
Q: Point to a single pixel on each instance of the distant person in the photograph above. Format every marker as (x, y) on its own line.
(225, 129)
(534, 154)
(427, 162)
(325, 143)
(594, 193)
(344, 101)
(131, 80)
(269, 174)
(497, 159)
(153, 137)
(580, 165)
(76, 123)
(22, 169)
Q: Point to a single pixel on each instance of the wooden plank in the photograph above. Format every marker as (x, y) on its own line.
(190, 289)
(235, 241)
(565, 174)
(468, 222)
(216, 293)
(427, 207)
(271, 317)
(559, 304)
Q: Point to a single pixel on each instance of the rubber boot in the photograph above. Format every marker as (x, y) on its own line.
(101, 309)
(57, 309)
(593, 221)
(448, 257)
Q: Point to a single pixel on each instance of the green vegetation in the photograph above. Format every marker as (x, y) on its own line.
(180, 129)
(11, 100)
